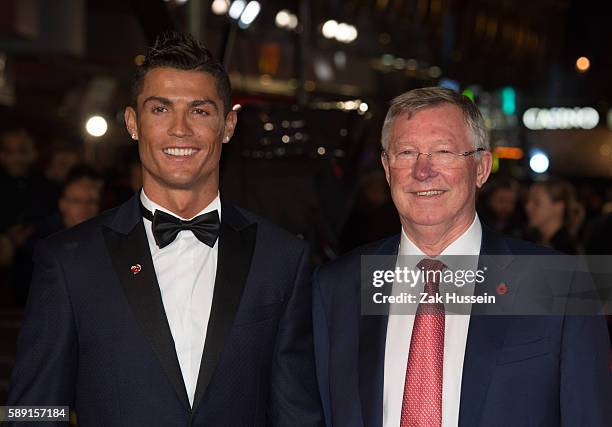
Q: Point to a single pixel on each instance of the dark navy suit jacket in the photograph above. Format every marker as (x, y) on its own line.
(518, 370)
(96, 337)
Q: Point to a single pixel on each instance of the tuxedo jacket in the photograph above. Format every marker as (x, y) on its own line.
(96, 337)
(519, 370)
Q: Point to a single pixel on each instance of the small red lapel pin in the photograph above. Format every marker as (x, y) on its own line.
(135, 269)
(502, 288)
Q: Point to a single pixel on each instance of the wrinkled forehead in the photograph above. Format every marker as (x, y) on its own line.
(439, 124)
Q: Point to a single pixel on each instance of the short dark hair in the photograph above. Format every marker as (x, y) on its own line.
(181, 51)
(79, 172)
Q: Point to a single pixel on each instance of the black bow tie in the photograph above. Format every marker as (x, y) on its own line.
(166, 227)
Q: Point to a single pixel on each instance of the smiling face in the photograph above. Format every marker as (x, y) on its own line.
(180, 126)
(428, 197)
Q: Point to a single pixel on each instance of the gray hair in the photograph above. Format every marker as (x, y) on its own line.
(409, 103)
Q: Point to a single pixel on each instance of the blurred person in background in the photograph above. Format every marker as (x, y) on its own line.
(78, 202)
(25, 191)
(27, 197)
(62, 159)
(373, 216)
(497, 206)
(553, 213)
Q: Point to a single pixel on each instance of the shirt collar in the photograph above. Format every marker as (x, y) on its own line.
(152, 206)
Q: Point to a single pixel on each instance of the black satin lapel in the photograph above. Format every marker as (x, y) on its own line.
(235, 253)
(131, 251)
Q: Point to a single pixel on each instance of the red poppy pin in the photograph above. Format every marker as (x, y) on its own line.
(135, 269)
(502, 288)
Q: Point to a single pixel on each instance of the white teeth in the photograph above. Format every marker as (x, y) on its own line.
(179, 151)
(429, 193)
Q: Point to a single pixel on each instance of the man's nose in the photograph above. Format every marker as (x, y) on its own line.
(180, 126)
(423, 168)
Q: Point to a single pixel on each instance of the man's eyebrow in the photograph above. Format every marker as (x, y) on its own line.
(160, 99)
(200, 102)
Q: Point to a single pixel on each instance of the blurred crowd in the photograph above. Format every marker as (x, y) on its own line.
(552, 212)
(44, 194)
(47, 193)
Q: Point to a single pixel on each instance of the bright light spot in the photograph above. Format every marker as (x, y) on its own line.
(343, 33)
(282, 18)
(387, 59)
(269, 126)
(329, 29)
(539, 163)
(237, 107)
(139, 60)
(351, 33)
(321, 151)
(508, 95)
(96, 126)
(236, 9)
(293, 22)
(435, 72)
(469, 93)
(449, 84)
(285, 139)
(399, 63)
(286, 19)
(220, 7)
(583, 64)
(340, 59)
(323, 70)
(560, 118)
(350, 105)
(363, 107)
(412, 64)
(250, 13)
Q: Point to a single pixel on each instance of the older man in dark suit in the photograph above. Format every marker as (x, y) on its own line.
(525, 360)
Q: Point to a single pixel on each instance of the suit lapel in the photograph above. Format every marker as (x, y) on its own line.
(236, 246)
(486, 332)
(128, 247)
(372, 338)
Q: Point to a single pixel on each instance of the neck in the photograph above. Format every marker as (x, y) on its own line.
(185, 203)
(433, 239)
(549, 229)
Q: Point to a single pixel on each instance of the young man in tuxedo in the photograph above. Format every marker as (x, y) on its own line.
(176, 308)
(478, 365)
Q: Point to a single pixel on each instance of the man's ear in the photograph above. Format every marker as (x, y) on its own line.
(131, 123)
(230, 125)
(385, 162)
(483, 167)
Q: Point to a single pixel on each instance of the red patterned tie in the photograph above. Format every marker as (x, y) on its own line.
(422, 402)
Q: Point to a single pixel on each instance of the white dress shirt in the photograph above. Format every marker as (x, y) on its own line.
(399, 333)
(186, 271)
